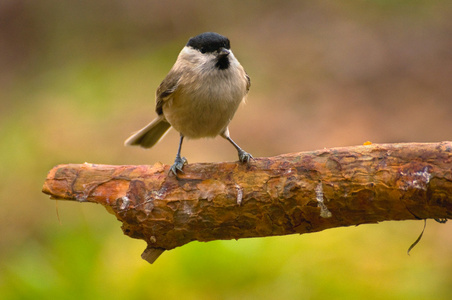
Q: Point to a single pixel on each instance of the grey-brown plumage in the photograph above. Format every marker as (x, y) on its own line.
(199, 96)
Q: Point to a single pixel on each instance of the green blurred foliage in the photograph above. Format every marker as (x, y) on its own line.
(78, 77)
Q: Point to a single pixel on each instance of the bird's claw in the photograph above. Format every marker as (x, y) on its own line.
(245, 156)
(178, 165)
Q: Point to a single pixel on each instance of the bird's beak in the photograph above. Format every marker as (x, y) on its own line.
(222, 52)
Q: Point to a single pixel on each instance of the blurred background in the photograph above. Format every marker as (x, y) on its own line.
(77, 77)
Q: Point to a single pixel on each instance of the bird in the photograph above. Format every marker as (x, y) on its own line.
(198, 97)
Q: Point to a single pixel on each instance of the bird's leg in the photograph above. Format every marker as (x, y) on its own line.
(179, 162)
(243, 156)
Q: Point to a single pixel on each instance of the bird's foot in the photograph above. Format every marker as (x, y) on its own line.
(244, 156)
(179, 163)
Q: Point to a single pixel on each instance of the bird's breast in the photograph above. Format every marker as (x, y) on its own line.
(203, 106)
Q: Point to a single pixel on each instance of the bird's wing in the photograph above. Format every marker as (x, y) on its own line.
(248, 82)
(166, 89)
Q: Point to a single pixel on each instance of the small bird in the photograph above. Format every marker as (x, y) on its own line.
(198, 97)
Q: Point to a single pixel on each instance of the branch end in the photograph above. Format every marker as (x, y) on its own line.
(151, 254)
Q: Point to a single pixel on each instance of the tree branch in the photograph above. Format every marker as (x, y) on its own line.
(291, 193)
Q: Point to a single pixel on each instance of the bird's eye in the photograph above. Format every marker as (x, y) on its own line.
(203, 50)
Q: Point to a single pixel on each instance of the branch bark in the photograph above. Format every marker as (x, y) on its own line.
(291, 193)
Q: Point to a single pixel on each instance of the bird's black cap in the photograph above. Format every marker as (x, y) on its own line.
(209, 42)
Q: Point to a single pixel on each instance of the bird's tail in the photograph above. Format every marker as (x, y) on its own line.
(149, 135)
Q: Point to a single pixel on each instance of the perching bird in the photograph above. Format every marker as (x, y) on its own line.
(199, 96)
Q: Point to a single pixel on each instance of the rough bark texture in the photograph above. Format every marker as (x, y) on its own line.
(292, 193)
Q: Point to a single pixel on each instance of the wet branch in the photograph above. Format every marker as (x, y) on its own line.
(286, 194)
